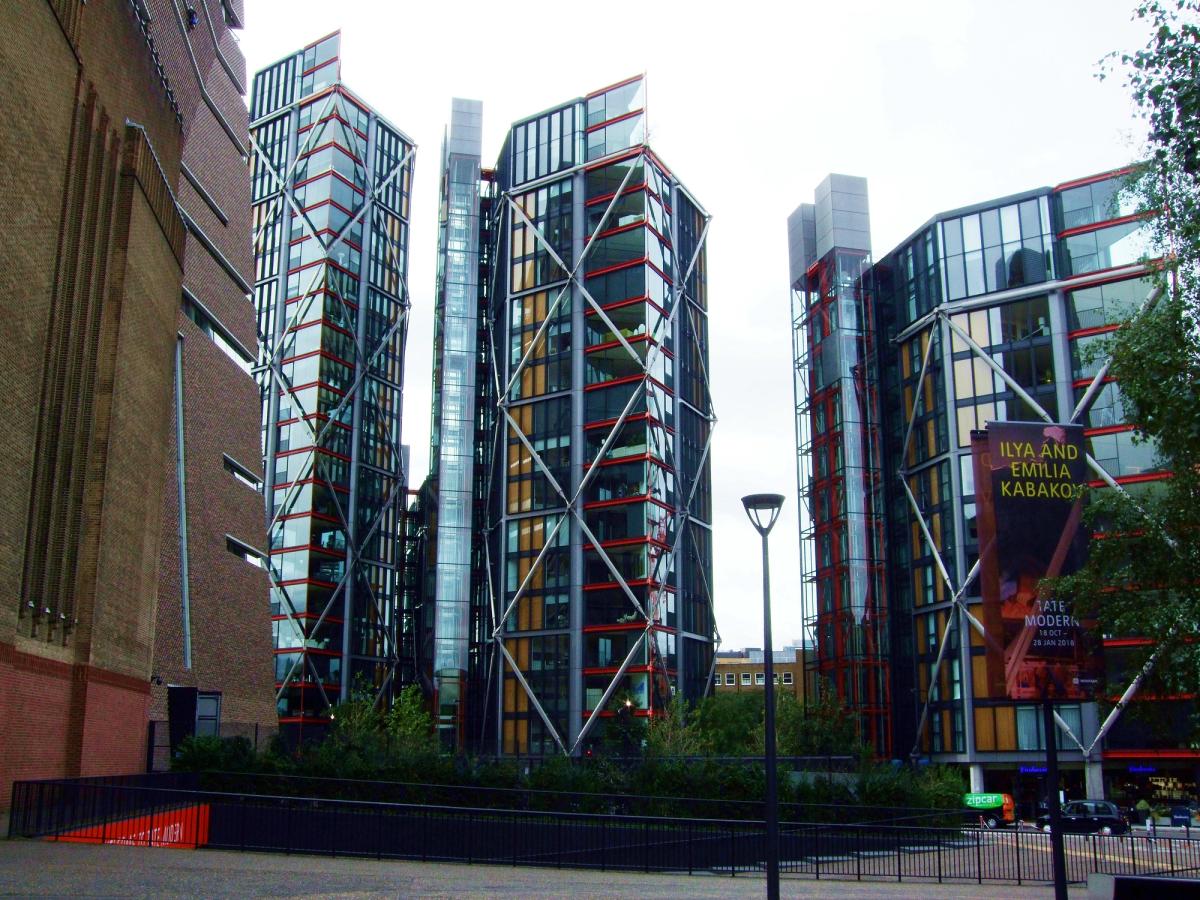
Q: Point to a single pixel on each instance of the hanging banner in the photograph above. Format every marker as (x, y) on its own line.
(1029, 485)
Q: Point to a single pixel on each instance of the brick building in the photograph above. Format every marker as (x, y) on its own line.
(115, 110)
(741, 671)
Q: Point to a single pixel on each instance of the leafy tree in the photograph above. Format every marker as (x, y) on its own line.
(1144, 581)
(409, 724)
(731, 724)
(820, 728)
(675, 734)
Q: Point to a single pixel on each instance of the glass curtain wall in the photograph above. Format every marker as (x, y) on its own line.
(330, 191)
(848, 616)
(604, 512)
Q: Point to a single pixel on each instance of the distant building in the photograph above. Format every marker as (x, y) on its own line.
(330, 188)
(741, 671)
(129, 412)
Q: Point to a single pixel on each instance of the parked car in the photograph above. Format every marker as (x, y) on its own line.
(1089, 817)
(1184, 816)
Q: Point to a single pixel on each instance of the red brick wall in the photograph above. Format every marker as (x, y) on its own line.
(65, 720)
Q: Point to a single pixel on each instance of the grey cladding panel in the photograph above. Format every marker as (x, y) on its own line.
(466, 127)
(801, 241)
(843, 218)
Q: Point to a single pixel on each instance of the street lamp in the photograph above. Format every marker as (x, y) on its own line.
(763, 510)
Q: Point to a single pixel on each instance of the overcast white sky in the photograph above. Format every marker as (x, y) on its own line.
(939, 103)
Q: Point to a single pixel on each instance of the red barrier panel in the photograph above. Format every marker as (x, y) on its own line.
(185, 828)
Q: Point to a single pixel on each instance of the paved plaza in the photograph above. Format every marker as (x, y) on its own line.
(41, 869)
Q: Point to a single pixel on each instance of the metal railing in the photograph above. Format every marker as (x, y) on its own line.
(99, 810)
(562, 801)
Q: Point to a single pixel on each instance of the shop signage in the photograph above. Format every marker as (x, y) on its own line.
(983, 801)
(1030, 479)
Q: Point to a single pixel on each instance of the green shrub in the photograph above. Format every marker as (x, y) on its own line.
(213, 754)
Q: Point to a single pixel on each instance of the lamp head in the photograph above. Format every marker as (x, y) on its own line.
(763, 510)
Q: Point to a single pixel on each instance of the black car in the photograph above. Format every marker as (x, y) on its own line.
(1089, 817)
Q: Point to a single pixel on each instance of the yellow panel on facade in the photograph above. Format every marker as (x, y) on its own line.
(966, 422)
(957, 344)
(985, 728)
(979, 328)
(978, 674)
(1006, 728)
(976, 637)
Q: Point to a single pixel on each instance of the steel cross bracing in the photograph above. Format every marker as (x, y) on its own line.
(272, 378)
(570, 503)
(939, 316)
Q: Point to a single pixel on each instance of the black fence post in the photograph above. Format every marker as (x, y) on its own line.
(689, 845)
(333, 812)
(472, 823)
(153, 811)
(107, 815)
(858, 853)
(603, 845)
(899, 867)
(978, 856)
(242, 823)
(1018, 845)
(937, 836)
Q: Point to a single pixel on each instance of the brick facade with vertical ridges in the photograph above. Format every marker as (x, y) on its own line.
(90, 294)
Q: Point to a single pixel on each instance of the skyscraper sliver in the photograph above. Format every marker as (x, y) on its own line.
(330, 186)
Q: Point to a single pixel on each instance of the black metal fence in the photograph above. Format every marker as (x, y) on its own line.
(561, 801)
(100, 810)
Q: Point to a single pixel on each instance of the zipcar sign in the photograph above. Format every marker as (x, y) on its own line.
(983, 801)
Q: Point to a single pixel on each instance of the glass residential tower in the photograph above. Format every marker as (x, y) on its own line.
(330, 187)
(591, 586)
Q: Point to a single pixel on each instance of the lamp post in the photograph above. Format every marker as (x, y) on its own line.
(763, 510)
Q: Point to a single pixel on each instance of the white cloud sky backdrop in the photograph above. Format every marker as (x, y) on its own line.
(938, 103)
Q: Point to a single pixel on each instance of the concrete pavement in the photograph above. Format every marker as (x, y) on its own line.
(43, 869)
